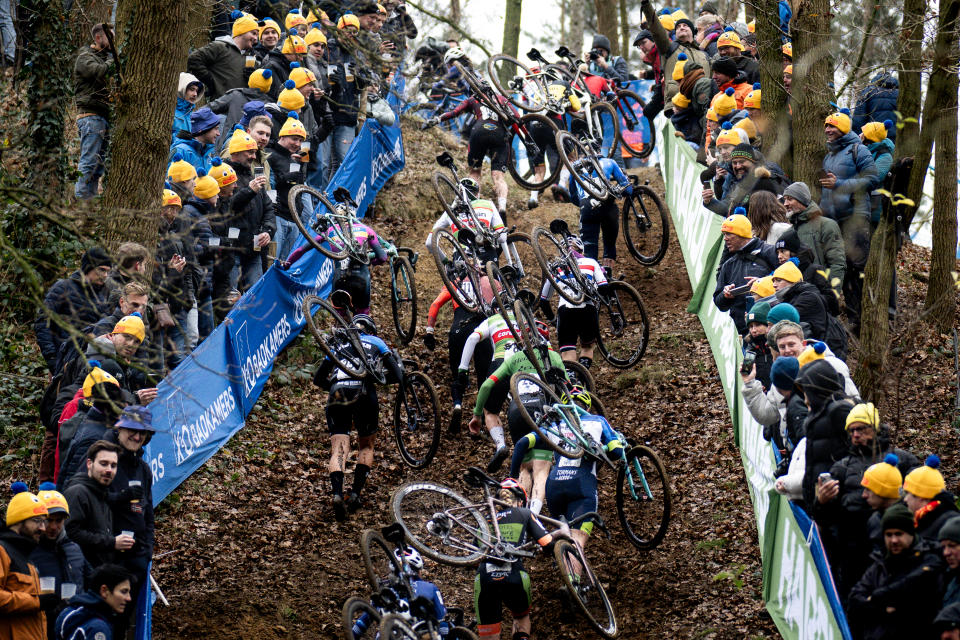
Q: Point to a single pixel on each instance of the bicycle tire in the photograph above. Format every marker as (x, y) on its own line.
(469, 302)
(462, 633)
(581, 374)
(596, 111)
(426, 421)
(352, 609)
(403, 295)
(529, 274)
(549, 177)
(356, 369)
(624, 300)
(378, 559)
(441, 177)
(636, 229)
(530, 341)
(505, 294)
(602, 618)
(415, 525)
(594, 187)
(479, 92)
(624, 98)
(508, 94)
(628, 500)
(546, 435)
(395, 627)
(326, 248)
(555, 267)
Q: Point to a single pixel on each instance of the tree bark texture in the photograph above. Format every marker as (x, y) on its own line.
(456, 16)
(909, 143)
(511, 27)
(777, 144)
(874, 325)
(624, 31)
(607, 19)
(578, 24)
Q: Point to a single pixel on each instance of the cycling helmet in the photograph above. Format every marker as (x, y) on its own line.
(472, 187)
(513, 486)
(365, 323)
(577, 395)
(413, 558)
(575, 243)
(544, 329)
(453, 53)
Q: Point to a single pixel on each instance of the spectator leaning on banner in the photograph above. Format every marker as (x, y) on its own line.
(20, 610)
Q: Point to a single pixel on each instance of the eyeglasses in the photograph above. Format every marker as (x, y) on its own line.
(859, 429)
(39, 520)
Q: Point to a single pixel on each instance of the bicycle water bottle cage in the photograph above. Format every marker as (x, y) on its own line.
(559, 227)
(445, 159)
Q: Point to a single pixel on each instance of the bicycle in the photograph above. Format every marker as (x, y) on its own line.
(326, 226)
(643, 496)
(622, 318)
(403, 290)
(453, 530)
(456, 201)
(646, 226)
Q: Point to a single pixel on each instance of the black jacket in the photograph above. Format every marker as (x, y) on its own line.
(76, 301)
(173, 287)
(345, 94)
(756, 258)
(251, 212)
(92, 428)
(128, 515)
(280, 161)
(930, 521)
(146, 357)
(806, 299)
(825, 426)
(764, 357)
(813, 274)
(91, 520)
(62, 560)
(231, 104)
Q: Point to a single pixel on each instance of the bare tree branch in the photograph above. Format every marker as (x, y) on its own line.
(452, 25)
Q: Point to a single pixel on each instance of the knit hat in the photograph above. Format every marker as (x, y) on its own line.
(180, 170)
(52, 499)
(294, 44)
(729, 38)
(884, 478)
(679, 15)
(93, 258)
(241, 140)
(728, 135)
(171, 199)
(738, 225)
(745, 150)
(301, 75)
(784, 371)
(222, 172)
(712, 114)
(678, 67)
(684, 20)
(367, 9)
(290, 99)
(840, 120)
(787, 49)
(758, 313)
(800, 192)
(788, 70)
(23, 505)
(269, 23)
(243, 23)
(950, 530)
(348, 20)
(667, 21)
(925, 482)
(788, 271)
(762, 288)
(864, 413)
(294, 19)
(725, 103)
(315, 35)
(643, 34)
(876, 131)
(206, 186)
(748, 127)
(790, 241)
(132, 325)
(752, 100)
(135, 417)
(726, 66)
(899, 517)
(292, 127)
(96, 376)
(811, 353)
(251, 110)
(680, 101)
(783, 311)
(261, 79)
(202, 120)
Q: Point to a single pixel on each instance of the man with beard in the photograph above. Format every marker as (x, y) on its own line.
(20, 613)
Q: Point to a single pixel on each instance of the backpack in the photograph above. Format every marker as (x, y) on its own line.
(836, 336)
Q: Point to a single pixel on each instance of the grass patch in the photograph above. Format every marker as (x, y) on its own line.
(709, 545)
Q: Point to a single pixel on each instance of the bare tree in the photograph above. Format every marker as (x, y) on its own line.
(909, 143)
(578, 24)
(624, 31)
(776, 125)
(607, 19)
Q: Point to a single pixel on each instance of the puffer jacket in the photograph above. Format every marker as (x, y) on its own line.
(825, 426)
(856, 172)
(20, 615)
(882, 153)
(76, 301)
(935, 514)
(62, 560)
(877, 102)
(181, 117)
(193, 151)
(823, 237)
(86, 617)
(756, 258)
(219, 66)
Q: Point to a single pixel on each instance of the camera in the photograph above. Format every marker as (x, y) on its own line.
(748, 359)
(596, 53)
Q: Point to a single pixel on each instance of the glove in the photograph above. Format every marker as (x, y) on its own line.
(432, 122)
(555, 375)
(430, 341)
(130, 494)
(594, 203)
(628, 190)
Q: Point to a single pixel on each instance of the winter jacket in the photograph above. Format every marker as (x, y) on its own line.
(91, 81)
(708, 43)
(793, 480)
(280, 68)
(77, 302)
(230, 105)
(823, 237)
(764, 357)
(251, 212)
(934, 515)
(91, 521)
(816, 274)
(129, 515)
(950, 587)
(173, 287)
(877, 102)
(699, 88)
(398, 28)
(740, 90)
(668, 51)
(193, 151)
(687, 122)
(750, 69)
(20, 615)
(616, 69)
(181, 117)
(344, 95)
(825, 427)
(280, 161)
(86, 617)
(756, 258)
(220, 66)
(907, 583)
(805, 297)
(856, 172)
(91, 428)
(62, 560)
(882, 153)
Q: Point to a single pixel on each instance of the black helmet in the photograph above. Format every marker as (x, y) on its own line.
(471, 186)
(601, 41)
(365, 323)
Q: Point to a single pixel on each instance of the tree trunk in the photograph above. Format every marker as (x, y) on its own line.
(942, 95)
(153, 49)
(511, 27)
(909, 143)
(578, 24)
(607, 20)
(776, 126)
(455, 17)
(624, 31)
(812, 76)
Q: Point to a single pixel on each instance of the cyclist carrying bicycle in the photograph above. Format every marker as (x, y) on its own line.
(489, 217)
(576, 322)
(494, 331)
(353, 404)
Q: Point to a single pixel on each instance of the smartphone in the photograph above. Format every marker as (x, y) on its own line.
(748, 359)
(258, 172)
(741, 290)
(824, 477)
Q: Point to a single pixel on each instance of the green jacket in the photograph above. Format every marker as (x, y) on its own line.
(219, 66)
(669, 50)
(515, 363)
(823, 236)
(91, 81)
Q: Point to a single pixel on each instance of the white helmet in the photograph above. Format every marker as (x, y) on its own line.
(453, 53)
(414, 561)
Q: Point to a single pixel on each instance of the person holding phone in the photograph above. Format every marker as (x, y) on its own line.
(253, 221)
(749, 258)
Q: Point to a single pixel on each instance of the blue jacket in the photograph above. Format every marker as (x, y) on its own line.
(856, 172)
(882, 153)
(783, 8)
(181, 118)
(877, 103)
(197, 154)
(421, 589)
(610, 171)
(62, 560)
(86, 616)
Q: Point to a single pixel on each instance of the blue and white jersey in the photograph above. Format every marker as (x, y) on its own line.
(611, 172)
(591, 271)
(573, 469)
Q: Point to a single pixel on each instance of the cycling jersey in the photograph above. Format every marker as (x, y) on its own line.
(590, 269)
(421, 589)
(363, 234)
(610, 171)
(496, 330)
(481, 112)
(488, 216)
(493, 392)
(517, 526)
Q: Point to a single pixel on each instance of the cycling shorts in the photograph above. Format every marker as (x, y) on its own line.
(491, 594)
(486, 139)
(572, 498)
(546, 143)
(352, 405)
(356, 282)
(519, 427)
(575, 325)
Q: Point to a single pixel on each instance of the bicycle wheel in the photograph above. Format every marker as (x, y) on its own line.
(558, 266)
(630, 107)
(311, 211)
(606, 124)
(403, 298)
(484, 94)
(529, 276)
(353, 609)
(462, 633)
(504, 290)
(329, 327)
(646, 228)
(460, 539)
(416, 420)
(624, 329)
(517, 83)
(457, 270)
(584, 587)
(643, 498)
(545, 423)
(579, 375)
(395, 627)
(583, 167)
(448, 193)
(530, 122)
(533, 345)
(378, 559)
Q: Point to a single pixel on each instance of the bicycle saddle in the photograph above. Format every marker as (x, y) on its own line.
(560, 227)
(562, 51)
(474, 477)
(445, 159)
(393, 533)
(528, 297)
(534, 54)
(342, 194)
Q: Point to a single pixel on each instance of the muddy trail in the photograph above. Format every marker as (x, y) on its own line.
(256, 552)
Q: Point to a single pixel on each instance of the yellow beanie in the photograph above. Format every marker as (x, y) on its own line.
(222, 172)
(725, 103)
(925, 482)
(788, 70)
(294, 44)
(864, 413)
(261, 79)
(712, 115)
(290, 99)
(245, 24)
(292, 127)
(294, 19)
(180, 170)
(729, 39)
(752, 99)
(876, 131)
(729, 135)
(241, 141)
(315, 36)
(840, 119)
(317, 17)
(681, 101)
(763, 287)
(738, 225)
(884, 478)
(96, 376)
(789, 272)
(132, 325)
(748, 127)
(171, 199)
(678, 69)
(23, 505)
(787, 49)
(813, 352)
(53, 500)
(668, 21)
(348, 20)
(301, 75)
(269, 23)
(206, 186)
